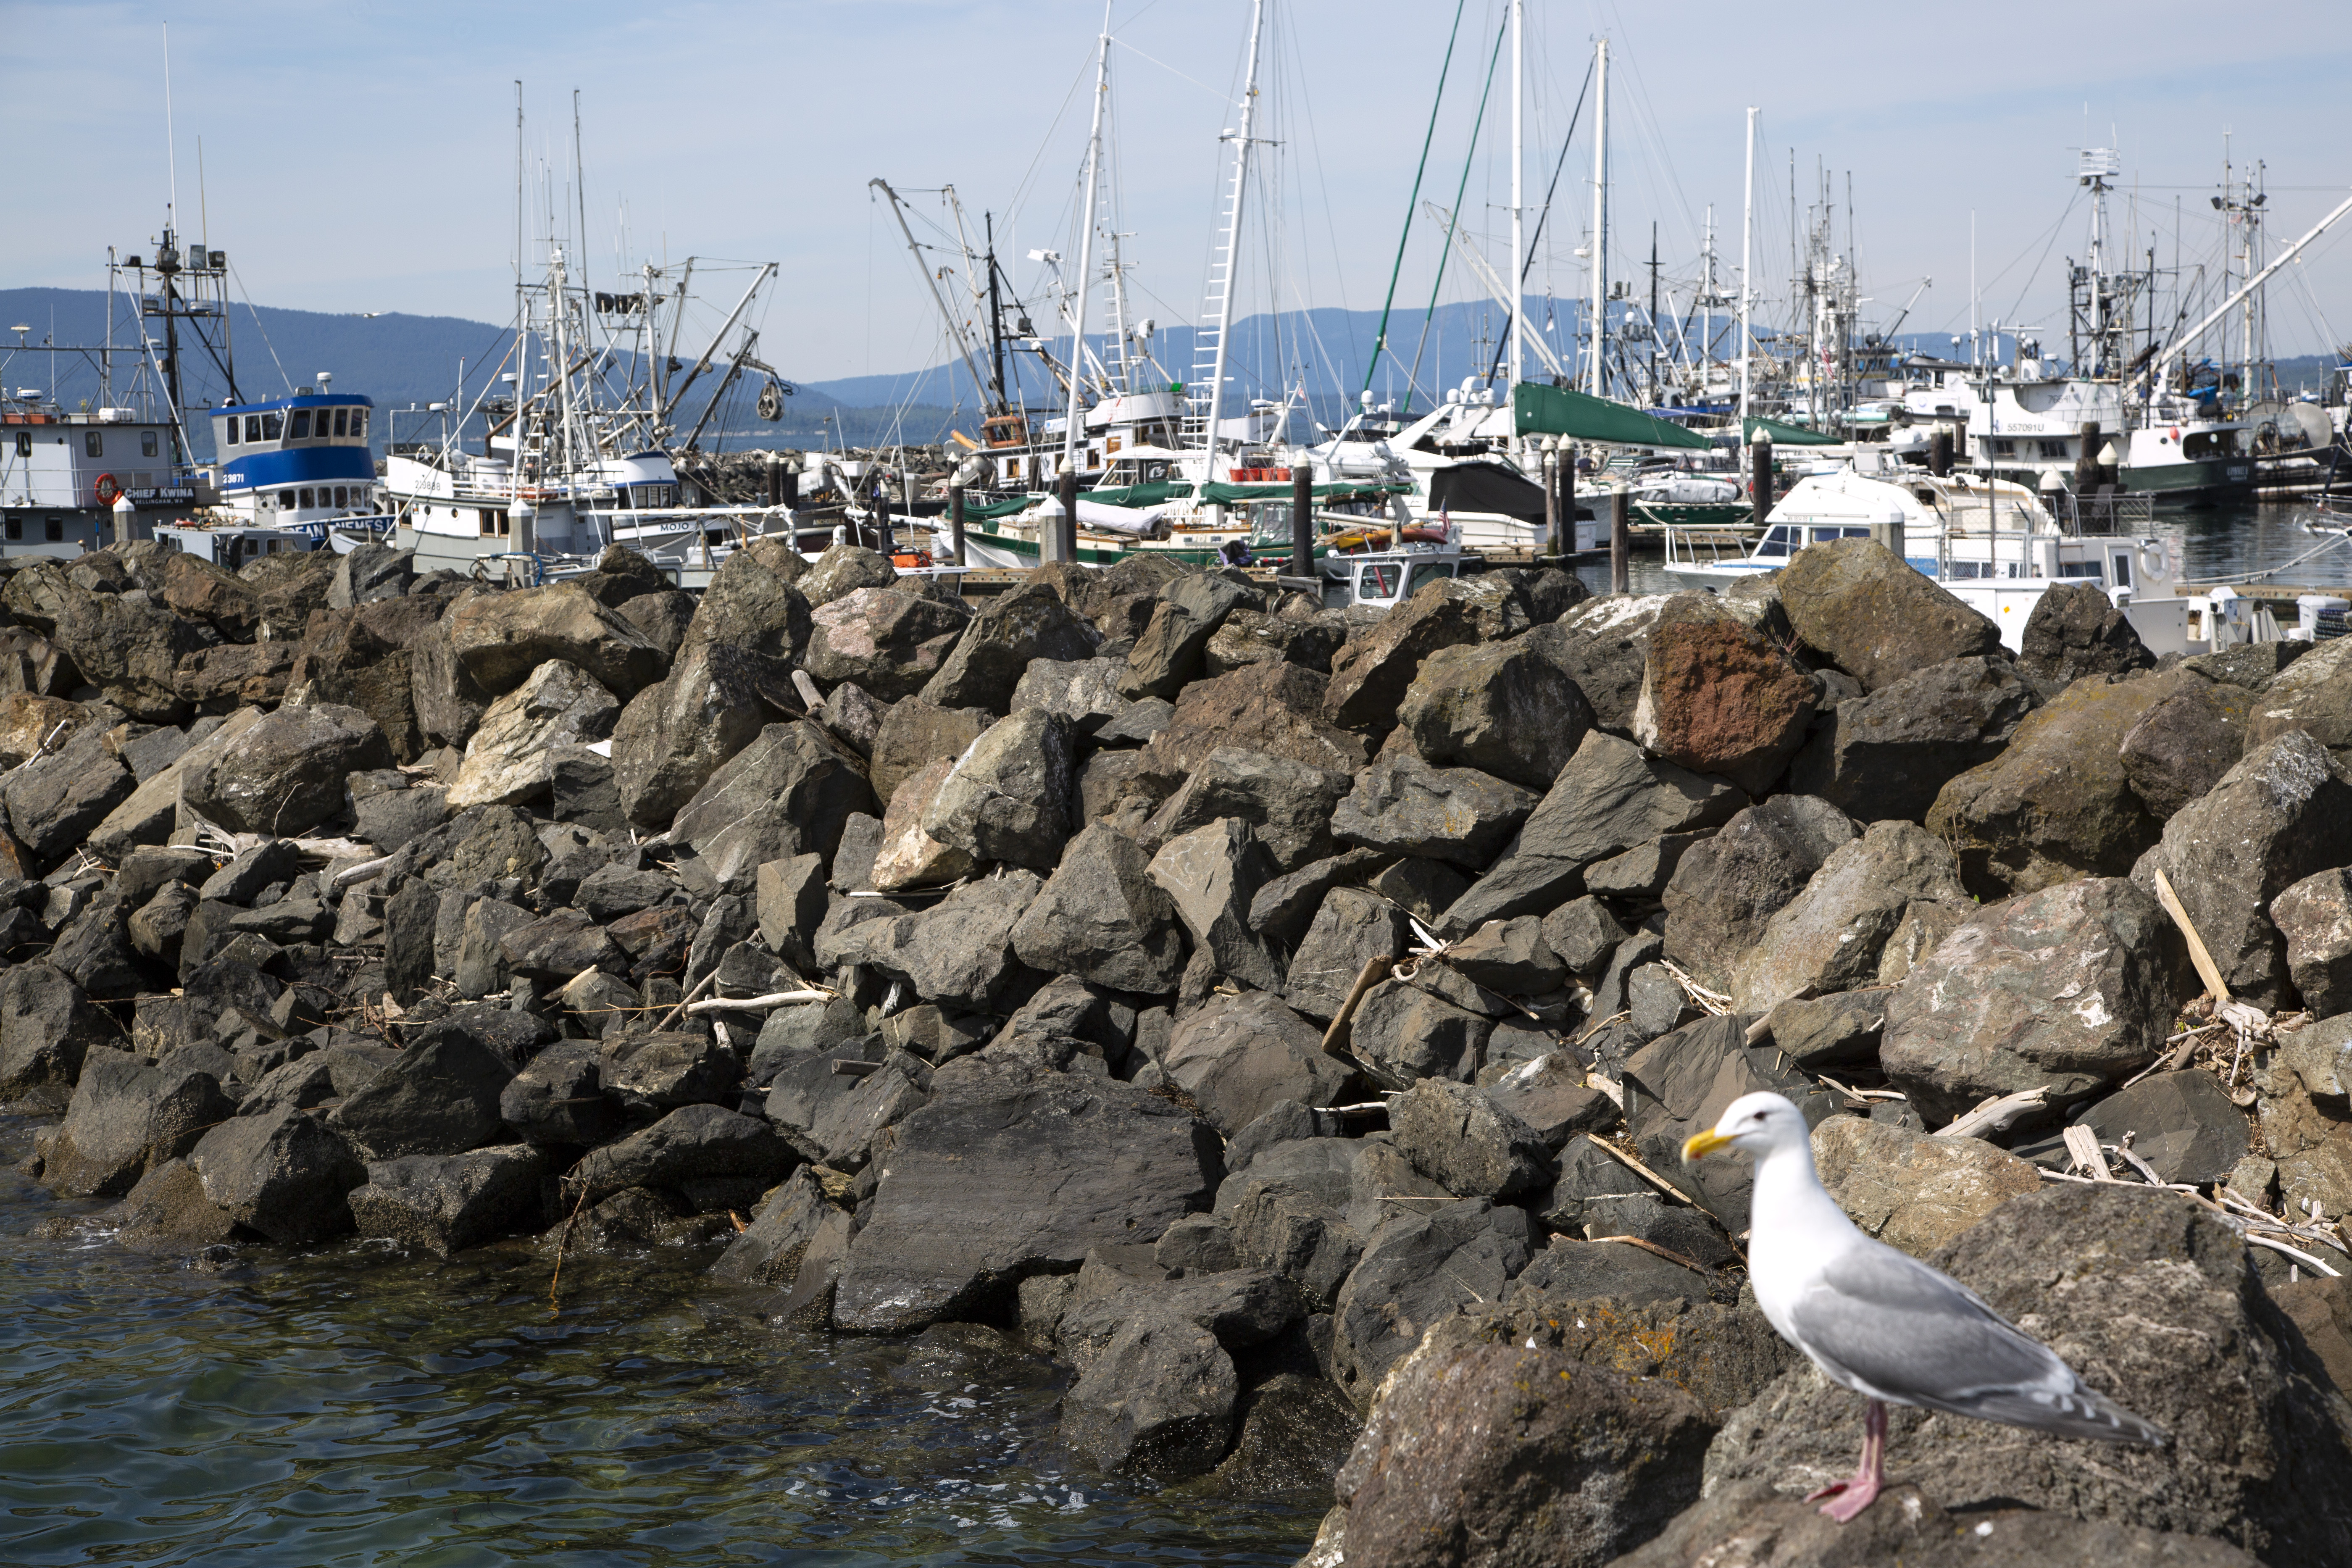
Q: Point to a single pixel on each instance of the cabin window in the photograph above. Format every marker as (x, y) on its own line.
(23, 443)
(343, 421)
(359, 422)
(2004, 448)
(300, 429)
(272, 426)
(252, 428)
(146, 443)
(306, 501)
(16, 528)
(286, 501)
(2089, 569)
(2123, 569)
(228, 431)
(1775, 542)
(342, 496)
(94, 443)
(55, 529)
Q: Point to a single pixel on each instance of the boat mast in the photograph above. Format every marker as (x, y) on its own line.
(1086, 251)
(996, 316)
(1221, 278)
(1747, 264)
(1518, 213)
(1600, 218)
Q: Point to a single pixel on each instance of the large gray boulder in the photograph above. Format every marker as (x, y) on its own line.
(1405, 807)
(2280, 815)
(790, 790)
(55, 803)
(1611, 796)
(1167, 654)
(1726, 889)
(1102, 918)
(886, 639)
(2077, 630)
(2313, 695)
(1502, 708)
(284, 1172)
(2314, 916)
(1890, 751)
(284, 775)
(1417, 1268)
(1862, 607)
(128, 1116)
(2184, 744)
(988, 659)
(1009, 797)
(1830, 936)
(440, 1098)
(672, 737)
(1287, 803)
(48, 1028)
(1238, 1057)
(1467, 1141)
(1351, 927)
(1005, 1175)
(2071, 988)
(511, 758)
(1372, 674)
(1211, 874)
(499, 639)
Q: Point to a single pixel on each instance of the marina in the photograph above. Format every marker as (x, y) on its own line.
(810, 787)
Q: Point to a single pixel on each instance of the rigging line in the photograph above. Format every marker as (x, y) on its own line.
(1381, 337)
(1171, 70)
(1535, 241)
(1468, 159)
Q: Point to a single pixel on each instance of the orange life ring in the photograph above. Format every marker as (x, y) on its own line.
(105, 490)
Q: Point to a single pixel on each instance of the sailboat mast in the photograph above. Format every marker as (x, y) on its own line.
(1600, 218)
(1233, 238)
(1747, 263)
(1086, 251)
(1519, 211)
(995, 318)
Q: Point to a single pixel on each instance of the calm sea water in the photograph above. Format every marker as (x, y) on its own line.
(2215, 542)
(354, 1406)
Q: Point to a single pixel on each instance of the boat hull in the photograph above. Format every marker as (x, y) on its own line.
(2204, 478)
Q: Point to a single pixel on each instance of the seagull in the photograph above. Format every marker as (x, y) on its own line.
(1880, 1322)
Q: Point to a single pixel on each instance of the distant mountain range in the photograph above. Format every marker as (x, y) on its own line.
(407, 363)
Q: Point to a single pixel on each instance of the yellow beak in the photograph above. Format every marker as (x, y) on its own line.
(1703, 1145)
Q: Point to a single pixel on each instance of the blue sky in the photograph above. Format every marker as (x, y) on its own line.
(360, 155)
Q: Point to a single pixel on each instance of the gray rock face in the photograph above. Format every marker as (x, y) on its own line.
(1404, 1034)
(2314, 916)
(1583, 932)
(1211, 874)
(1913, 1191)
(1276, 708)
(2184, 744)
(1680, 1083)
(284, 775)
(888, 640)
(1157, 1400)
(998, 1179)
(445, 1203)
(1085, 691)
(1611, 796)
(1190, 611)
(770, 1251)
(1504, 709)
(2182, 1123)
(1828, 937)
(1287, 804)
(56, 802)
(845, 569)
(1102, 918)
(1837, 1030)
(789, 792)
(440, 1098)
(2149, 1299)
(1238, 1057)
(48, 1028)
(914, 735)
(959, 951)
(2310, 695)
(556, 1099)
(1372, 674)
(1509, 957)
(499, 639)
(671, 738)
(1416, 1269)
(1403, 805)
(1466, 1141)
(1350, 927)
(1009, 797)
(284, 1172)
(2070, 987)
(511, 758)
(1887, 754)
(1726, 889)
(2282, 815)
(2077, 630)
(988, 660)
(1861, 607)
(692, 1143)
(128, 1117)
(1590, 1463)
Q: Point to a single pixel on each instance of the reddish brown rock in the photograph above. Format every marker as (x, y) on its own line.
(1716, 697)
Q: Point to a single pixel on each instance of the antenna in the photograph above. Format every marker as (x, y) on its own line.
(170, 152)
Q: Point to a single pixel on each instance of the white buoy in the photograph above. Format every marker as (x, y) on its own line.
(126, 519)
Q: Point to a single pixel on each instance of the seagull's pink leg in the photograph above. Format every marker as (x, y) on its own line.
(1852, 1497)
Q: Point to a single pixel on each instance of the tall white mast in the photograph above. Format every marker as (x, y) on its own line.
(1746, 261)
(1223, 287)
(1599, 326)
(1086, 251)
(1519, 215)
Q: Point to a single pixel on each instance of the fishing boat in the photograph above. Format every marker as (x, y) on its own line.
(1995, 544)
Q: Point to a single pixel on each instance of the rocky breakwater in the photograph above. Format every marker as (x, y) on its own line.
(1287, 1019)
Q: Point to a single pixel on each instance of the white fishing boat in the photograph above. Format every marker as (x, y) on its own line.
(1995, 544)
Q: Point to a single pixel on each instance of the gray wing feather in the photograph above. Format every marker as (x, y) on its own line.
(1894, 1328)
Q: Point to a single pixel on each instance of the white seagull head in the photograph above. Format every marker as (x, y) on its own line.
(1754, 1124)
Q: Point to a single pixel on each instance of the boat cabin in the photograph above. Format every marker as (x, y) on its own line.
(295, 461)
(61, 475)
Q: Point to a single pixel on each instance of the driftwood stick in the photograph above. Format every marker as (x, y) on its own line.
(2082, 1144)
(2207, 969)
(1996, 1114)
(366, 870)
(757, 1004)
(1335, 1038)
(674, 1014)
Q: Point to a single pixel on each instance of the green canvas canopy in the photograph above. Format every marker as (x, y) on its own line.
(1554, 410)
(1781, 435)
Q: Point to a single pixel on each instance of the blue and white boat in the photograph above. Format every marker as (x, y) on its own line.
(299, 465)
